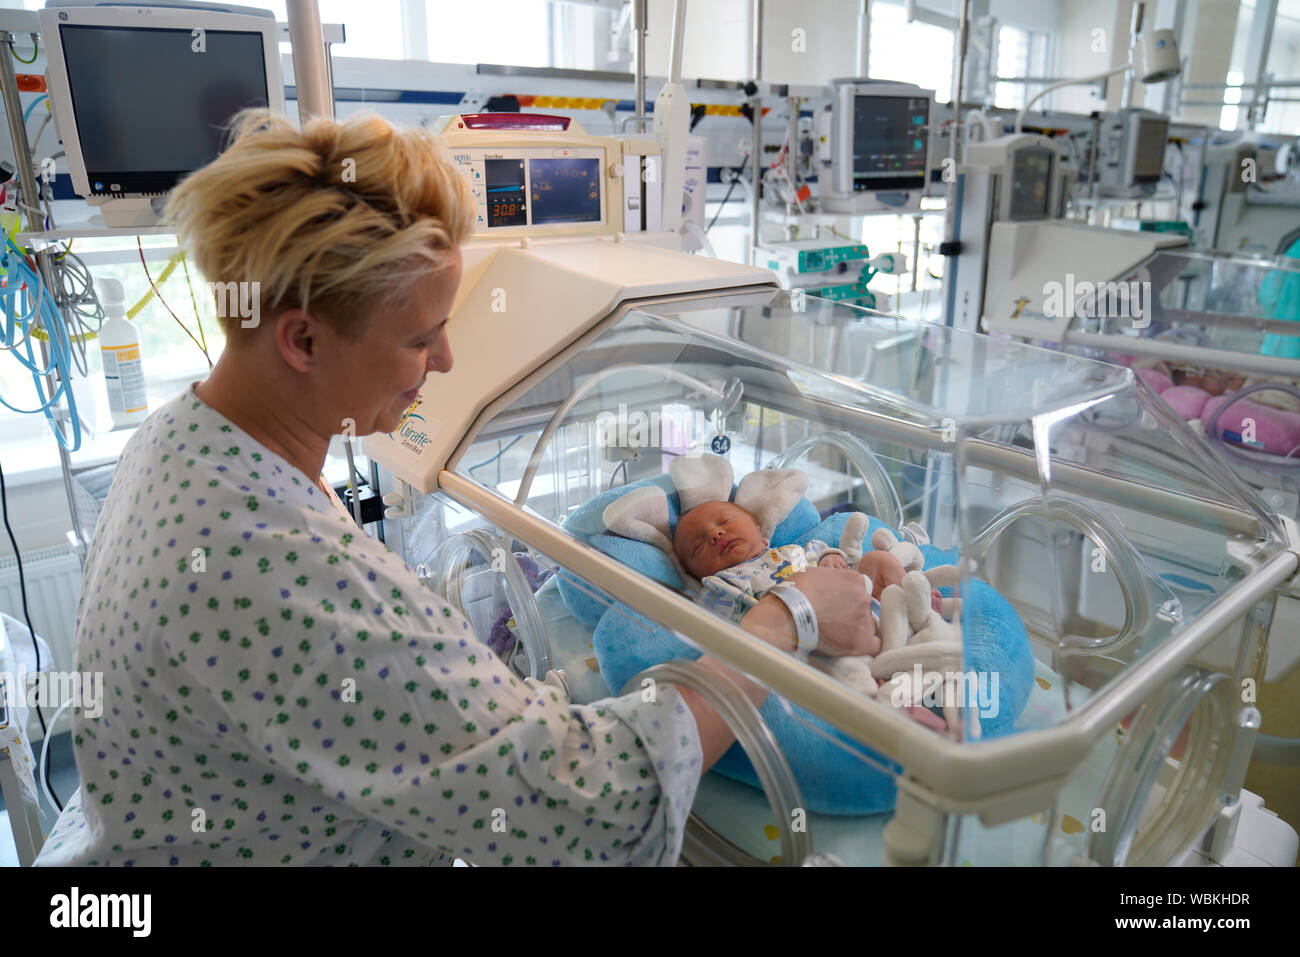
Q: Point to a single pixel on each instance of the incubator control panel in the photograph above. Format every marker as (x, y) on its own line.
(539, 176)
(548, 187)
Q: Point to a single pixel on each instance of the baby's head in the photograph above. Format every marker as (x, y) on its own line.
(716, 535)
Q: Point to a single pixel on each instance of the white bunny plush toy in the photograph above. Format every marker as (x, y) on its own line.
(721, 549)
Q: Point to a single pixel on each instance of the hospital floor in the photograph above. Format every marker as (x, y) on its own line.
(63, 778)
(1279, 785)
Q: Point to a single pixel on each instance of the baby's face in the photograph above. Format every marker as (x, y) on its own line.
(716, 535)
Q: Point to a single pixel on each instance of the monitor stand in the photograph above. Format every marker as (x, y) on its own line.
(125, 213)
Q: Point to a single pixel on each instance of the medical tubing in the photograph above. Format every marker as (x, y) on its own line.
(45, 747)
(27, 614)
(44, 312)
(354, 493)
(755, 739)
(74, 293)
(553, 424)
(450, 561)
(36, 49)
(1263, 460)
(1116, 550)
(27, 113)
(885, 502)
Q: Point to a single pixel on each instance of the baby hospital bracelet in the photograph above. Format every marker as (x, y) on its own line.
(805, 619)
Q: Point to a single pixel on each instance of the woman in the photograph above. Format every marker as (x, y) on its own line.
(280, 687)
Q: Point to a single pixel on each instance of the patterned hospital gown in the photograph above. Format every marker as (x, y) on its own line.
(281, 689)
(733, 591)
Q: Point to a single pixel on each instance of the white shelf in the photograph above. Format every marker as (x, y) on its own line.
(89, 230)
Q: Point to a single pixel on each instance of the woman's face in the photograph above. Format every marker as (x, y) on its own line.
(378, 376)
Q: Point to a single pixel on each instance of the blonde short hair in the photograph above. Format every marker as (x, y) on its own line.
(340, 218)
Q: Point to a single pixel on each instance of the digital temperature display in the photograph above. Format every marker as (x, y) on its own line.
(565, 190)
(506, 195)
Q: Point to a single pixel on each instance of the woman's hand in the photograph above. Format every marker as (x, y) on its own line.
(840, 601)
(843, 607)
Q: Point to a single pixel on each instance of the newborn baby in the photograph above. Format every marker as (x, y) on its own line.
(721, 544)
(721, 551)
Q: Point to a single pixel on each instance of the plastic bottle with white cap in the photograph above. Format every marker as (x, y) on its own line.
(119, 346)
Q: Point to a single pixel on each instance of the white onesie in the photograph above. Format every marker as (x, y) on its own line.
(733, 591)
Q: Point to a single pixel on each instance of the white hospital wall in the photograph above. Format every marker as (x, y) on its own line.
(1212, 25)
(1075, 54)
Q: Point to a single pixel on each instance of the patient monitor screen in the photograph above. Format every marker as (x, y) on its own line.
(1031, 179)
(889, 142)
(565, 190)
(146, 104)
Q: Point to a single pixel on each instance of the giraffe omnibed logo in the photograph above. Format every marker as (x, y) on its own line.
(412, 432)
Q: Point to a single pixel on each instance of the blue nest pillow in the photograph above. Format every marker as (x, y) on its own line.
(832, 779)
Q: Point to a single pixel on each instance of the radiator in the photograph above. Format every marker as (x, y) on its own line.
(53, 587)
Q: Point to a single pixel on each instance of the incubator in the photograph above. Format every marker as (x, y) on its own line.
(1143, 574)
(1215, 335)
(1216, 327)
(1210, 310)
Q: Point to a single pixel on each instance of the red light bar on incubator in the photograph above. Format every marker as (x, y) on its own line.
(512, 121)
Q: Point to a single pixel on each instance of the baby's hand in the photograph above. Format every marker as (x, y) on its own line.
(883, 569)
(926, 717)
(832, 561)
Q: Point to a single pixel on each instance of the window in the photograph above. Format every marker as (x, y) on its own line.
(919, 53)
(517, 32)
(1229, 115)
(372, 29)
(1021, 53)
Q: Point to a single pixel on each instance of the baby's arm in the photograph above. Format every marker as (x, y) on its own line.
(824, 556)
(729, 597)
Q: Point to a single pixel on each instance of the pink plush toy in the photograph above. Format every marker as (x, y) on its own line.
(1187, 400)
(1156, 379)
(1273, 430)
